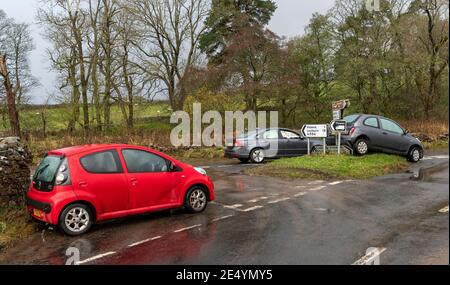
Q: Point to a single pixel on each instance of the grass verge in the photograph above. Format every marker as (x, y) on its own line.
(436, 145)
(15, 224)
(333, 167)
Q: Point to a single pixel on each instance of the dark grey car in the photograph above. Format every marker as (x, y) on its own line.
(261, 144)
(379, 134)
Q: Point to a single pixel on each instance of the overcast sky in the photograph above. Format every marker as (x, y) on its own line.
(289, 20)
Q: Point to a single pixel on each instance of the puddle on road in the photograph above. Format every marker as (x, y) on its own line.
(434, 173)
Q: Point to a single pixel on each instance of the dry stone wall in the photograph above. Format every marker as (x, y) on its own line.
(15, 161)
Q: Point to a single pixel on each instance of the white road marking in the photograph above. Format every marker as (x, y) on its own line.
(335, 183)
(233, 206)
(371, 255)
(300, 194)
(300, 186)
(320, 209)
(95, 257)
(222, 218)
(317, 188)
(257, 199)
(436, 157)
(444, 210)
(252, 208)
(144, 241)
(278, 200)
(187, 228)
(315, 182)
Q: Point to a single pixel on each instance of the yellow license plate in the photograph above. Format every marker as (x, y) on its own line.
(38, 213)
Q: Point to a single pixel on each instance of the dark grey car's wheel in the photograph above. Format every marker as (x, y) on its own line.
(361, 147)
(196, 200)
(76, 219)
(257, 155)
(415, 154)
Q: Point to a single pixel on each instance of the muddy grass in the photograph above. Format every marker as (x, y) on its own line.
(15, 224)
(333, 167)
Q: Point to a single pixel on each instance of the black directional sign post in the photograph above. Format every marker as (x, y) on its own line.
(339, 107)
(338, 127)
(315, 131)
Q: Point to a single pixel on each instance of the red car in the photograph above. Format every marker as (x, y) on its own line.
(78, 186)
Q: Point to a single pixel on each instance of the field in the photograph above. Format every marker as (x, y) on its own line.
(57, 117)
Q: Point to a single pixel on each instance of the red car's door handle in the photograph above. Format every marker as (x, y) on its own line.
(134, 181)
(82, 184)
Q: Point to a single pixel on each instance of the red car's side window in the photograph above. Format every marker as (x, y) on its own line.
(140, 161)
(105, 162)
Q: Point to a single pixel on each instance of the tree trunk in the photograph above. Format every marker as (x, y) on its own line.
(44, 124)
(10, 98)
(83, 77)
(75, 98)
(96, 95)
(129, 87)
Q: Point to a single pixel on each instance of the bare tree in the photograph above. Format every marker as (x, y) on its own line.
(170, 32)
(70, 19)
(15, 45)
(94, 42)
(435, 43)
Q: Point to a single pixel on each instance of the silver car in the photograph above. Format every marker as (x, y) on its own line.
(256, 146)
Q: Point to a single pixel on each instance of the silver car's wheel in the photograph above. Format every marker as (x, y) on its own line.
(257, 155)
(76, 219)
(196, 200)
(361, 147)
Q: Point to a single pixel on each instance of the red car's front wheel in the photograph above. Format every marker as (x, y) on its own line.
(196, 200)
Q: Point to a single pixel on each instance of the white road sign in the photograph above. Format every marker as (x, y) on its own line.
(315, 131)
(338, 126)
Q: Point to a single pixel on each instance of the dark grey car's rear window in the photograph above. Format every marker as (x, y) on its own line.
(351, 119)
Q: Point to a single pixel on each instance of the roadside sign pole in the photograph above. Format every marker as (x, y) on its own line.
(339, 143)
(309, 147)
(324, 146)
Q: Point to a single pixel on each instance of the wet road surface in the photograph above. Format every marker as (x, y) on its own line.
(266, 220)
